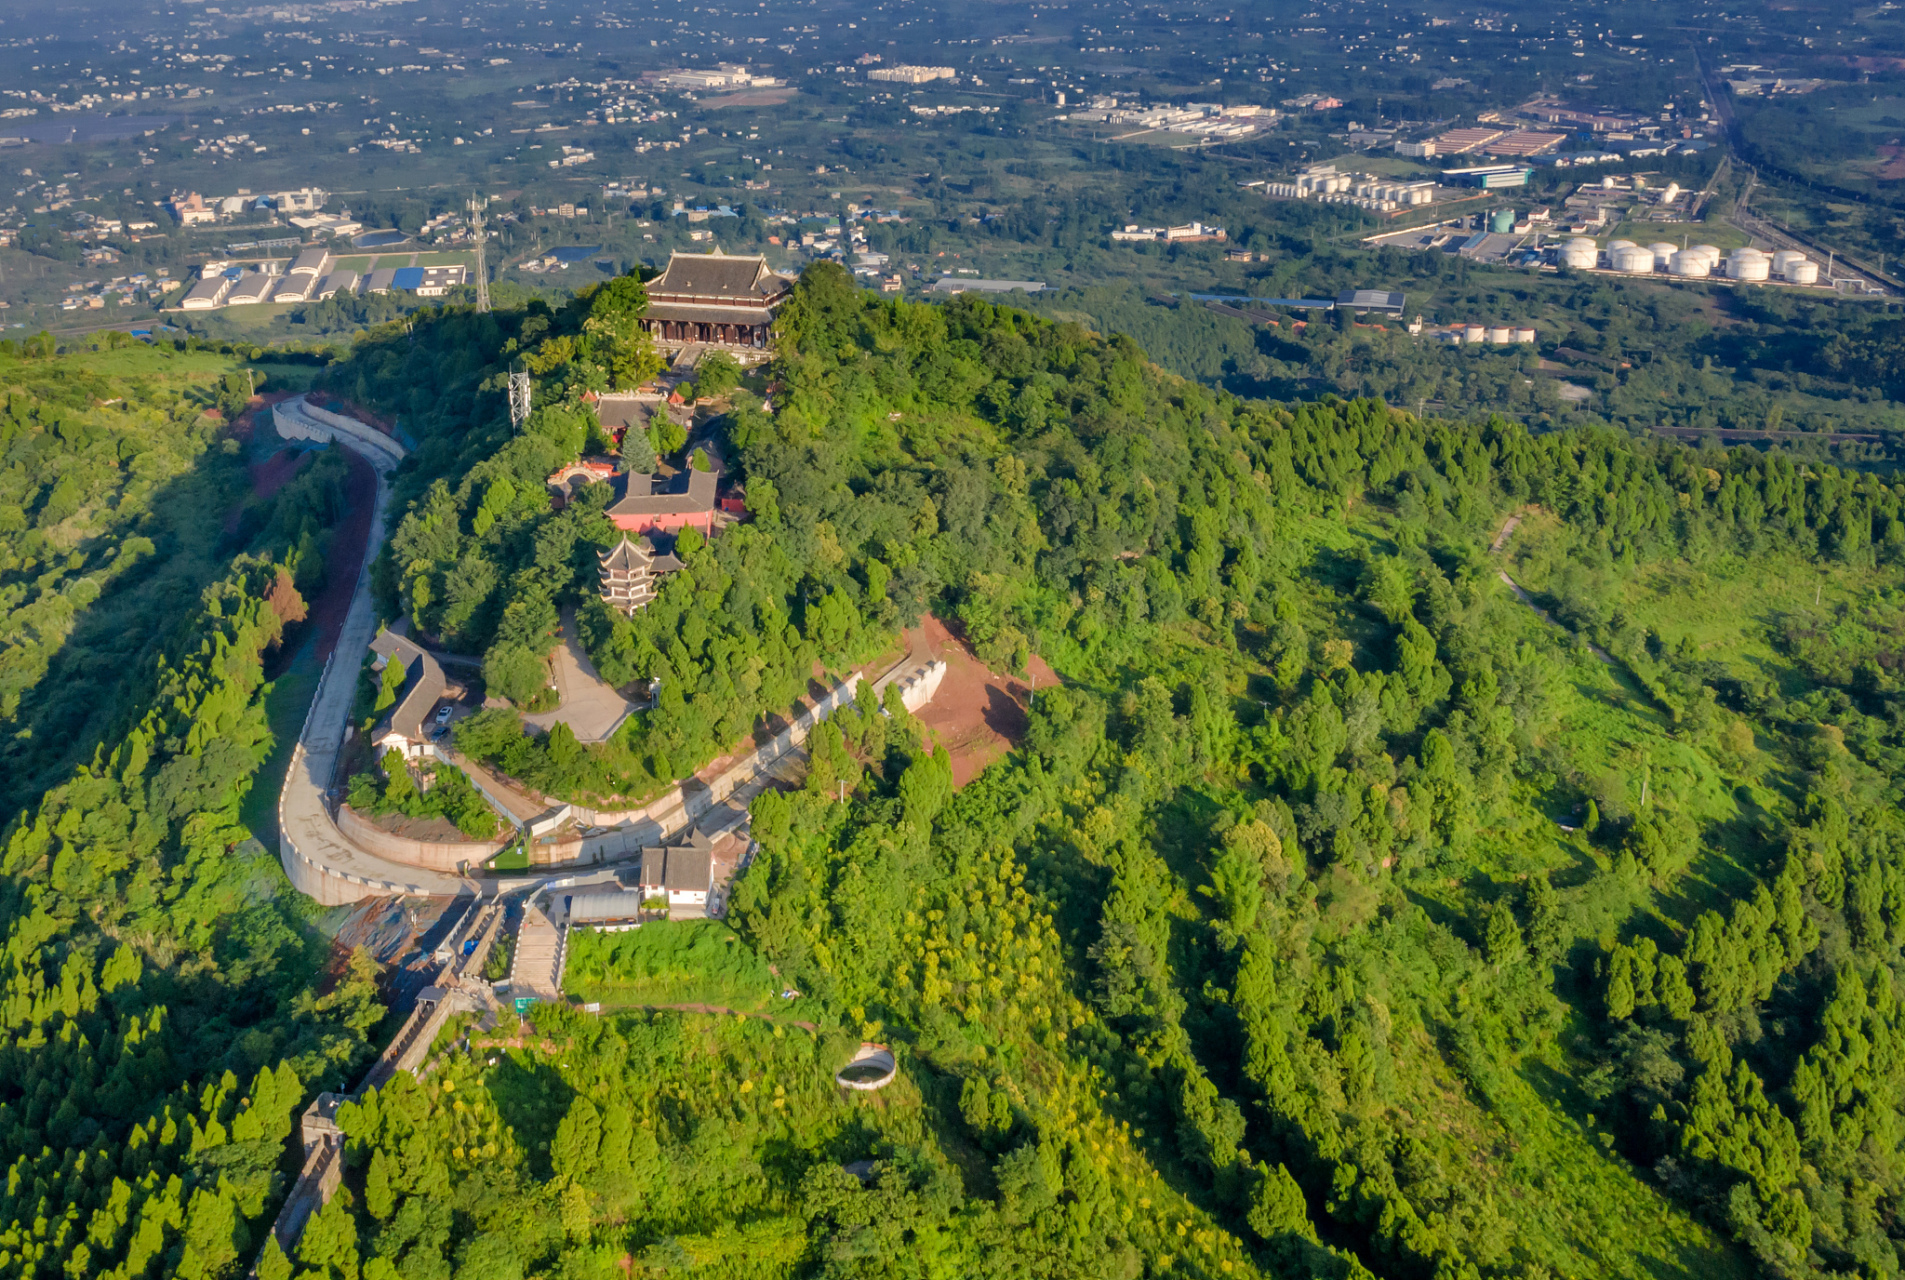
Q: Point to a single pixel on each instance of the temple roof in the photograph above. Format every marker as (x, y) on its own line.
(618, 410)
(710, 313)
(718, 276)
(643, 495)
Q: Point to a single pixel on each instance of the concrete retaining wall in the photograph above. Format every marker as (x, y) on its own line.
(684, 805)
(299, 419)
(438, 855)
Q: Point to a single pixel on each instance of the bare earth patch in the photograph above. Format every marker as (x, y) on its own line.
(977, 715)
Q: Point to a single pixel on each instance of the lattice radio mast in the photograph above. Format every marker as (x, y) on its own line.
(482, 269)
(518, 398)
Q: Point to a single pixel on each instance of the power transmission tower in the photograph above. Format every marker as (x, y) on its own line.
(518, 398)
(482, 269)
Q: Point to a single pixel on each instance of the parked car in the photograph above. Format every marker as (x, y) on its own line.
(443, 714)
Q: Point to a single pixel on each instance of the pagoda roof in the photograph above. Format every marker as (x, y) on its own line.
(632, 555)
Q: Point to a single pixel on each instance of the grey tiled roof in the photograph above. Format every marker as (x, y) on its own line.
(715, 276)
(423, 686)
(641, 496)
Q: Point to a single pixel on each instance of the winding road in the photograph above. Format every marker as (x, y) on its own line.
(320, 860)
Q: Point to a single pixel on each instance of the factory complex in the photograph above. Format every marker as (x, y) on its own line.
(313, 276)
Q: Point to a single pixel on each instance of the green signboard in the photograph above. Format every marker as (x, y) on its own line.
(523, 1003)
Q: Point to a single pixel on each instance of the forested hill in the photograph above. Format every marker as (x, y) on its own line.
(161, 1014)
(1339, 915)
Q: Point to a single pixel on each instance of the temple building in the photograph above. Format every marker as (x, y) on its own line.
(630, 570)
(654, 504)
(714, 299)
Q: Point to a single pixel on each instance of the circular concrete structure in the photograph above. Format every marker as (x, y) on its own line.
(871, 1067)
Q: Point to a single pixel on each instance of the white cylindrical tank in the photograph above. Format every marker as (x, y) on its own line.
(1579, 252)
(1748, 264)
(1783, 258)
(1712, 253)
(1474, 333)
(1671, 194)
(1690, 262)
(1524, 334)
(1614, 245)
(1803, 272)
(1663, 254)
(1500, 335)
(1631, 258)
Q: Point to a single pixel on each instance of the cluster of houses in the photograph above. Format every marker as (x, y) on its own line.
(194, 210)
(313, 276)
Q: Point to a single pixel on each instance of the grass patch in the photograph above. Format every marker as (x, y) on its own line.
(672, 962)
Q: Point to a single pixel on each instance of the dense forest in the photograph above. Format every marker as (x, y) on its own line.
(166, 1008)
(1341, 914)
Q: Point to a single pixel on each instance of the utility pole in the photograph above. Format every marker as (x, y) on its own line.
(482, 270)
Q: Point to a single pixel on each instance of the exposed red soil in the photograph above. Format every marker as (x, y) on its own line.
(246, 422)
(267, 478)
(345, 556)
(976, 715)
(275, 472)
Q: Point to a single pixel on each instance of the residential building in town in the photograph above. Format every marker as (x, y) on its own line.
(303, 200)
(911, 74)
(715, 299)
(192, 211)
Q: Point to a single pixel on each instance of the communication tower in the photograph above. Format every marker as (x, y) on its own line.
(518, 398)
(482, 269)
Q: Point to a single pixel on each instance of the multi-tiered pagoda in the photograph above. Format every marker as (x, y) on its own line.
(630, 571)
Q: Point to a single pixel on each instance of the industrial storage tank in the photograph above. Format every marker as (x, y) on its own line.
(1803, 272)
(1502, 221)
(1748, 264)
(1663, 254)
(1691, 263)
(1500, 335)
(1524, 334)
(1631, 258)
(1712, 253)
(1613, 245)
(1474, 333)
(1580, 252)
(1784, 258)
